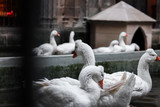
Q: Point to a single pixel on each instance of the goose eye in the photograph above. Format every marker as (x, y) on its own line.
(102, 75)
(152, 55)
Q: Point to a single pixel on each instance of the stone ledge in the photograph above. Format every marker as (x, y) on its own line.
(65, 60)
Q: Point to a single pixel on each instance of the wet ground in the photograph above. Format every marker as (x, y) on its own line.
(153, 98)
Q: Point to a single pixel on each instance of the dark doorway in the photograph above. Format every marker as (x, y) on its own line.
(139, 39)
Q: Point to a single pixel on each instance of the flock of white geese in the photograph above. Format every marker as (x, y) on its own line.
(94, 87)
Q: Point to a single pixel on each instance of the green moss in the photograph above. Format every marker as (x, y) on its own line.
(74, 69)
(59, 71)
(114, 66)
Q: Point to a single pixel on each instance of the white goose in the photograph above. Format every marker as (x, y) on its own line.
(143, 82)
(121, 46)
(120, 98)
(67, 95)
(131, 48)
(108, 49)
(67, 48)
(47, 48)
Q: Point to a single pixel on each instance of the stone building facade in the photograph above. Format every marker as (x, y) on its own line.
(73, 13)
(70, 13)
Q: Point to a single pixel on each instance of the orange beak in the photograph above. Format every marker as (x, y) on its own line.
(74, 55)
(158, 58)
(58, 34)
(126, 34)
(100, 83)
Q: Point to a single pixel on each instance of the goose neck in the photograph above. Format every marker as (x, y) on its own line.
(88, 58)
(71, 40)
(52, 41)
(121, 41)
(111, 46)
(90, 86)
(143, 71)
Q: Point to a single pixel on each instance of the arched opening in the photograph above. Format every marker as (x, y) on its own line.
(139, 39)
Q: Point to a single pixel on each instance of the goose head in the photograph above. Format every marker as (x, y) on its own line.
(81, 48)
(123, 34)
(150, 56)
(78, 48)
(71, 40)
(72, 34)
(54, 33)
(90, 74)
(136, 47)
(114, 42)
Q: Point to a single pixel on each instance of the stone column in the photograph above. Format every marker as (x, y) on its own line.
(47, 13)
(50, 13)
(54, 13)
(44, 12)
(158, 14)
(87, 8)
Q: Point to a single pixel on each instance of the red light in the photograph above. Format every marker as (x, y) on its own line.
(10, 13)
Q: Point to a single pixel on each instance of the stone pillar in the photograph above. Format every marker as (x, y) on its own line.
(149, 41)
(87, 8)
(158, 14)
(54, 13)
(44, 13)
(47, 18)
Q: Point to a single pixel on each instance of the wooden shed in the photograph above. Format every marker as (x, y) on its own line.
(109, 23)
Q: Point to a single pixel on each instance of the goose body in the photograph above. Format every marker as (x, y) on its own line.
(120, 98)
(59, 81)
(106, 49)
(131, 48)
(67, 95)
(47, 48)
(67, 48)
